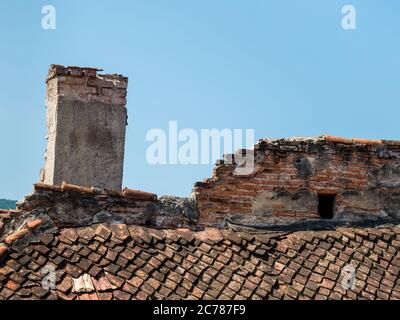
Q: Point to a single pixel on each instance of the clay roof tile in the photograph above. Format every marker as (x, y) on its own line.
(210, 235)
(351, 141)
(139, 195)
(86, 233)
(367, 141)
(120, 231)
(305, 264)
(140, 234)
(71, 187)
(15, 236)
(42, 186)
(113, 193)
(102, 231)
(3, 251)
(69, 235)
(337, 139)
(34, 224)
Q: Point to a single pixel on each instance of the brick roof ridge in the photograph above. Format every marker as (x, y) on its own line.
(331, 138)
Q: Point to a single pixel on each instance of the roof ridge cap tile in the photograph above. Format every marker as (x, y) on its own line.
(43, 186)
(23, 230)
(10, 211)
(16, 235)
(337, 139)
(139, 194)
(72, 187)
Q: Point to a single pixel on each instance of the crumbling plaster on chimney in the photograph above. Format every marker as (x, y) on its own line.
(86, 120)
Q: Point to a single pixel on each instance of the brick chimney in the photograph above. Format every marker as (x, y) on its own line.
(86, 120)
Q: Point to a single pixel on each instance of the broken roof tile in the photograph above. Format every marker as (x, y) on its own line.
(82, 284)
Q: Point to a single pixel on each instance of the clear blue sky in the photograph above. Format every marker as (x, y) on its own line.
(284, 68)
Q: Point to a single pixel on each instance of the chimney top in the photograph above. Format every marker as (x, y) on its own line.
(89, 72)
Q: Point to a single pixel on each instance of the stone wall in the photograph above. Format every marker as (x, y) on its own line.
(69, 205)
(86, 120)
(363, 176)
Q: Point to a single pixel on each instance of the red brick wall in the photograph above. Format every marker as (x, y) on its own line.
(289, 174)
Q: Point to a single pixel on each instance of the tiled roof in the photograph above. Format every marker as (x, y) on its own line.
(132, 262)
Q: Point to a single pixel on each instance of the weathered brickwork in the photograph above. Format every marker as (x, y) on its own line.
(86, 120)
(362, 176)
(86, 85)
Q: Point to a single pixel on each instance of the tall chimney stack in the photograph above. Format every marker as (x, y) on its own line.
(86, 120)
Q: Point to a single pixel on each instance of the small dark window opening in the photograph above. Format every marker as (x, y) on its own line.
(326, 203)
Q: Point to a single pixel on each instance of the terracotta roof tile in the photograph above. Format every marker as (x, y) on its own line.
(9, 212)
(139, 195)
(34, 224)
(83, 284)
(71, 187)
(120, 231)
(69, 236)
(140, 234)
(210, 234)
(86, 233)
(3, 251)
(15, 236)
(351, 141)
(131, 262)
(128, 193)
(42, 186)
(114, 193)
